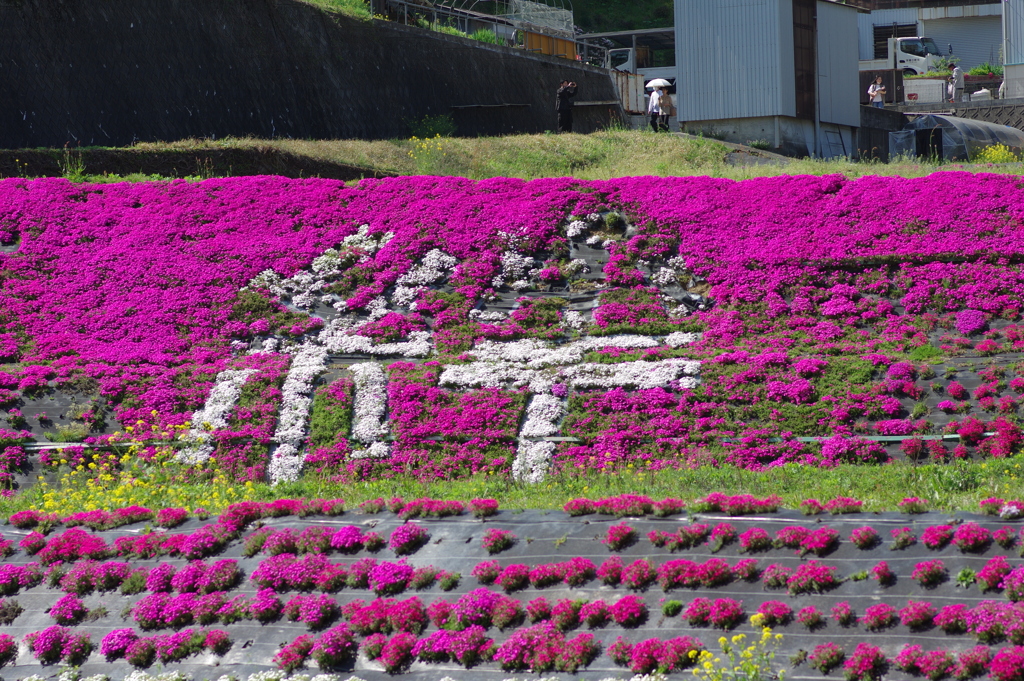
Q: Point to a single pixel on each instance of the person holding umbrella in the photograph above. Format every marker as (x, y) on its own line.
(659, 104)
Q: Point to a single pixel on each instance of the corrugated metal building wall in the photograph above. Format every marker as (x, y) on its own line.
(750, 42)
(838, 74)
(975, 40)
(748, 45)
(1013, 47)
(866, 27)
(1013, 21)
(773, 81)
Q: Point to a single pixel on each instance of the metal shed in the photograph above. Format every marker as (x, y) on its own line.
(782, 71)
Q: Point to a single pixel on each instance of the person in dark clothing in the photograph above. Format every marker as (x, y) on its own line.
(563, 105)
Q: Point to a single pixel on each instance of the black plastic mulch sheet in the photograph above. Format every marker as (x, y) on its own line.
(545, 537)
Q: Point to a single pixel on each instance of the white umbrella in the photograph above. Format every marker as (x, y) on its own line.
(659, 82)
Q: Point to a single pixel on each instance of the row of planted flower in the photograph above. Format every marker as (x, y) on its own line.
(623, 505)
(389, 629)
(829, 337)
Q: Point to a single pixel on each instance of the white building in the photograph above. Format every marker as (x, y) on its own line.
(783, 72)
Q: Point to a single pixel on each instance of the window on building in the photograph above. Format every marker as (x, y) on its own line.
(803, 56)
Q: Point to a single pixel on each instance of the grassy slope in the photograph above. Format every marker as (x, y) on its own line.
(353, 8)
(597, 156)
(950, 487)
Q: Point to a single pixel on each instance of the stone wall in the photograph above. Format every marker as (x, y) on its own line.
(111, 72)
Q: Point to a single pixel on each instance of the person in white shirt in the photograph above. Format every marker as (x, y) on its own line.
(956, 78)
(654, 106)
(876, 93)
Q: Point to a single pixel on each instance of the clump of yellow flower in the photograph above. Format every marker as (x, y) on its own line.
(740, 662)
(426, 147)
(127, 479)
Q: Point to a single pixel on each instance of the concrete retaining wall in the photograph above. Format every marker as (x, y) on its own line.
(119, 71)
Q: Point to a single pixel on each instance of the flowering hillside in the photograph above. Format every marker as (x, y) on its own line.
(220, 335)
(458, 327)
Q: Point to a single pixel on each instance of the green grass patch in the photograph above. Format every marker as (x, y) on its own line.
(357, 9)
(950, 487)
(596, 156)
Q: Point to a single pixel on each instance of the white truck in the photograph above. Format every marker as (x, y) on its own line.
(913, 56)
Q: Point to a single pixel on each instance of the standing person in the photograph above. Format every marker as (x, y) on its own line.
(665, 103)
(563, 105)
(876, 93)
(654, 108)
(956, 78)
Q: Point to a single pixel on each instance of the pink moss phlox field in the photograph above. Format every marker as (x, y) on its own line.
(140, 276)
(133, 286)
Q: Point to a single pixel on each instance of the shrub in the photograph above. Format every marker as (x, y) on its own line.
(483, 508)
(902, 538)
(619, 537)
(972, 662)
(826, 657)
(880, 616)
(725, 613)
(991, 576)
(937, 536)
(594, 614)
(638, 575)
(913, 505)
(1008, 664)
(486, 572)
(629, 611)
(68, 610)
(820, 541)
(514, 578)
(812, 577)
(755, 539)
(1005, 537)
(141, 652)
(776, 576)
(496, 541)
(116, 643)
(406, 539)
(775, 613)
(171, 517)
(334, 647)
(746, 569)
(952, 619)
(565, 614)
(864, 538)
(930, 573)
(971, 538)
(810, 617)
(866, 662)
(293, 655)
(722, 535)
(448, 581)
(843, 614)
(917, 615)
